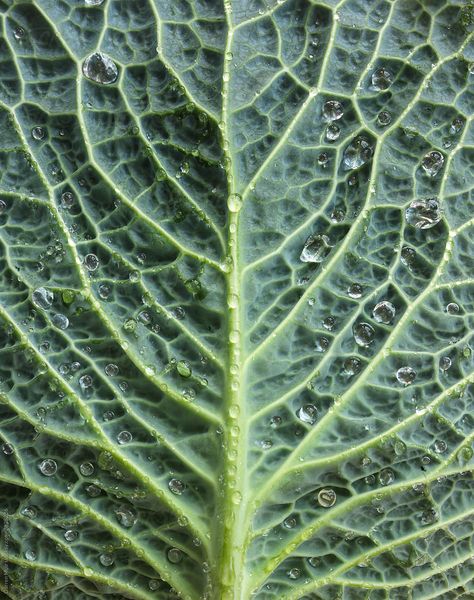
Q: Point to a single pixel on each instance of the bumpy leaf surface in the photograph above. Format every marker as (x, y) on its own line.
(199, 398)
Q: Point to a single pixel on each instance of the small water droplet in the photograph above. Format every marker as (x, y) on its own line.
(60, 321)
(48, 467)
(307, 413)
(315, 249)
(124, 437)
(429, 517)
(18, 33)
(333, 110)
(104, 290)
(42, 298)
(176, 486)
(30, 555)
(326, 497)
(38, 133)
(94, 2)
(384, 312)
(363, 334)
(275, 421)
(333, 132)
(71, 535)
(126, 516)
(174, 555)
(382, 79)
(452, 308)
(93, 491)
(355, 290)
(423, 214)
(432, 163)
(111, 370)
(440, 446)
(234, 203)
(289, 522)
(85, 382)
(99, 67)
(406, 375)
(384, 118)
(86, 469)
(445, 363)
(386, 477)
(106, 560)
(356, 154)
(91, 262)
(456, 125)
(294, 573)
(183, 368)
(352, 365)
(7, 449)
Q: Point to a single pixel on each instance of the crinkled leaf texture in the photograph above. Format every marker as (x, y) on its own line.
(203, 205)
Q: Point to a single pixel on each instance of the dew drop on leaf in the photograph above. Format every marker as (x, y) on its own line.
(42, 298)
(174, 555)
(326, 497)
(86, 469)
(355, 290)
(126, 516)
(423, 214)
(429, 517)
(93, 491)
(352, 365)
(384, 312)
(440, 446)
(432, 163)
(294, 573)
(106, 560)
(183, 368)
(99, 67)
(7, 449)
(18, 33)
(60, 321)
(445, 363)
(384, 118)
(67, 200)
(333, 132)
(30, 555)
(85, 382)
(29, 512)
(386, 477)
(356, 154)
(176, 486)
(91, 262)
(382, 79)
(38, 133)
(275, 421)
(315, 249)
(406, 375)
(104, 290)
(111, 370)
(307, 413)
(289, 523)
(48, 467)
(452, 308)
(332, 110)
(363, 334)
(70, 535)
(94, 2)
(234, 203)
(124, 437)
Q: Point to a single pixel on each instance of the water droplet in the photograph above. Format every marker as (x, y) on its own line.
(30, 555)
(91, 262)
(406, 375)
(38, 133)
(307, 413)
(326, 497)
(124, 437)
(332, 110)
(333, 132)
(153, 585)
(456, 125)
(106, 560)
(85, 382)
(289, 522)
(18, 33)
(440, 446)
(452, 308)
(384, 118)
(399, 448)
(104, 290)
(176, 486)
(130, 325)
(183, 368)
(42, 298)
(356, 154)
(445, 363)
(7, 449)
(71, 535)
(363, 334)
(275, 421)
(315, 249)
(48, 467)
(60, 321)
(429, 517)
(384, 312)
(174, 555)
(126, 516)
(86, 469)
(382, 79)
(355, 290)
(234, 203)
(432, 163)
(423, 214)
(352, 365)
(111, 370)
(99, 67)
(294, 573)
(314, 561)
(386, 477)
(323, 158)
(30, 512)
(67, 200)
(94, 2)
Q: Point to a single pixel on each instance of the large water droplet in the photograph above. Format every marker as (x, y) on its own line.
(386, 477)
(42, 298)
(30, 555)
(86, 469)
(406, 375)
(234, 203)
(432, 163)
(106, 560)
(315, 249)
(70, 535)
(60, 321)
(38, 133)
(355, 290)
(352, 365)
(174, 555)
(384, 312)
(423, 214)
(332, 110)
(452, 308)
(363, 334)
(356, 154)
(294, 573)
(91, 262)
(384, 118)
(327, 497)
(382, 79)
(307, 413)
(124, 437)
(99, 67)
(126, 516)
(176, 486)
(333, 132)
(445, 363)
(48, 467)
(440, 446)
